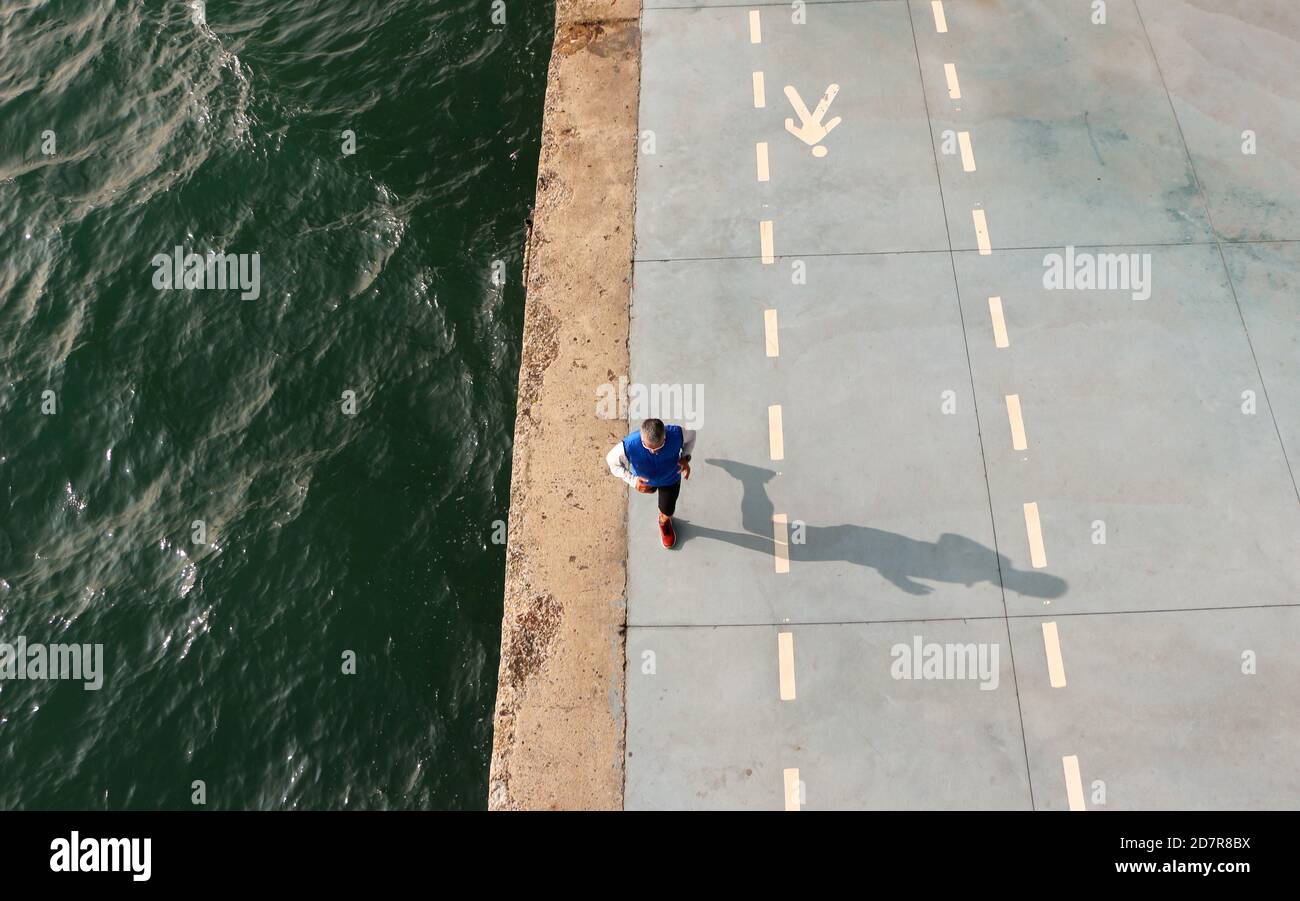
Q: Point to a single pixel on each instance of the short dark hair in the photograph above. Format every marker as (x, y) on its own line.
(652, 432)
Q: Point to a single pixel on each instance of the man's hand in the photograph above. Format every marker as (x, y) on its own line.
(684, 467)
(643, 486)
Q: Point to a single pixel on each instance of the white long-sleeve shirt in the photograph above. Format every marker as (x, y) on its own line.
(622, 469)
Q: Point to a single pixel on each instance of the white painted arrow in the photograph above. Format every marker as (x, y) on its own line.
(810, 130)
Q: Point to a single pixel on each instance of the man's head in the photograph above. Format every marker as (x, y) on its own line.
(653, 435)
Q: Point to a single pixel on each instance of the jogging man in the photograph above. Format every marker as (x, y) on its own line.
(655, 459)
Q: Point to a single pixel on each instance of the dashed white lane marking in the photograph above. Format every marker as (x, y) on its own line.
(765, 240)
(940, 20)
(775, 436)
(982, 232)
(1017, 422)
(1073, 784)
(755, 27)
(792, 788)
(785, 656)
(760, 97)
(967, 154)
(1034, 529)
(760, 150)
(950, 73)
(770, 333)
(1000, 338)
(780, 538)
(1055, 665)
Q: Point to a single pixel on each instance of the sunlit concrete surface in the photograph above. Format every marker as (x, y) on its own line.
(1115, 462)
(1134, 422)
(697, 195)
(732, 736)
(1160, 712)
(913, 507)
(1073, 136)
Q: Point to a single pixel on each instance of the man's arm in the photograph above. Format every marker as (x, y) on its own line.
(684, 458)
(619, 466)
(688, 443)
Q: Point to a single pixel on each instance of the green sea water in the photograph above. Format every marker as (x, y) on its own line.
(134, 418)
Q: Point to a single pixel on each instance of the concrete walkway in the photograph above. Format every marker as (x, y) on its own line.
(958, 536)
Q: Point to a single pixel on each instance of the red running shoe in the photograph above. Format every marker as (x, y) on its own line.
(667, 534)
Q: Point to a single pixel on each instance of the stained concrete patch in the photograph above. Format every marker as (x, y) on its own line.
(531, 635)
(1074, 139)
(1232, 67)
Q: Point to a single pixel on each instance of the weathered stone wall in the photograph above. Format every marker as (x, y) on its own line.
(559, 724)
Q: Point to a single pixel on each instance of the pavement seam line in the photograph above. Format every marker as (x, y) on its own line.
(887, 253)
(1227, 272)
(979, 432)
(955, 619)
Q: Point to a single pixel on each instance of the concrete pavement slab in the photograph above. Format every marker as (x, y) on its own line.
(694, 326)
(882, 479)
(1160, 711)
(1156, 488)
(699, 194)
(699, 582)
(1103, 458)
(707, 727)
(1233, 70)
(1072, 134)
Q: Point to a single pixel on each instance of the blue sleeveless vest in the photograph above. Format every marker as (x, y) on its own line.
(659, 469)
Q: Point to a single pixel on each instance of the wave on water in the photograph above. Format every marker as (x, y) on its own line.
(183, 481)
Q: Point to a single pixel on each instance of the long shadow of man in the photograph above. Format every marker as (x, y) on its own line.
(953, 558)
